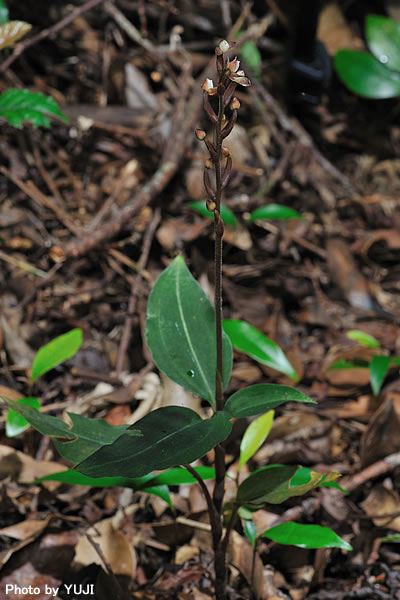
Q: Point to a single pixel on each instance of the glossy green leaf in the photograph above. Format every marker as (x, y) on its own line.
(383, 37)
(306, 536)
(162, 491)
(254, 436)
(55, 352)
(74, 442)
(227, 215)
(12, 31)
(267, 484)
(20, 106)
(379, 366)
(261, 397)
(363, 74)
(180, 332)
(363, 338)
(250, 531)
(273, 211)
(172, 477)
(252, 57)
(172, 435)
(276, 483)
(248, 339)
(15, 423)
(3, 12)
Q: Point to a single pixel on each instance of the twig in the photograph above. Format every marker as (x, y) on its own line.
(375, 470)
(294, 127)
(20, 48)
(22, 264)
(129, 28)
(126, 333)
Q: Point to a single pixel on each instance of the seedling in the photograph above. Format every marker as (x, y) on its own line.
(378, 366)
(190, 344)
(19, 106)
(375, 75)
(47, 357)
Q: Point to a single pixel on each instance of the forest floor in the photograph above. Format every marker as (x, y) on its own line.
(93, 211)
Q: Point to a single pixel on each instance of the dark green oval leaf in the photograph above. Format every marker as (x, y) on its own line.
(379, 366)
(55, 352)
(248, 339)
(180, 332)
(15, 423)
(227, 215)
(363, 338)
(170, 436)
(383, 37)
(366, 76)
(74, 443)
(19, 106)
(267, 484)
(274, 211)
(261, 397)
(306, 536)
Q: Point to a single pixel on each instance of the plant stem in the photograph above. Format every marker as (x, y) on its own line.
(220, 467)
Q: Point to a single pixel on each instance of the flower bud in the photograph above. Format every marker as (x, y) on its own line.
(222, 47)
(200, 134)
(235, 104)
(225, 151)
(211, 206)
(208, 163)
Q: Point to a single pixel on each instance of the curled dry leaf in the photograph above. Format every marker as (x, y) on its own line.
(382, 435)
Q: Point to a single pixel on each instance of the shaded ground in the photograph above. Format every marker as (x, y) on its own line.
(90, 215)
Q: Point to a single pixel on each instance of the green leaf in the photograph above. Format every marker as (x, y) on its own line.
(306, 536)
(366, 76)
(18, 106)
(227, 215)
(180, 476)
(383, 37)
(254, 436)
(12, 31)
(343, 363)
(305, 475)
(363, 338)
(3, 12)
(274, 211)
(180, 332)
(261, 487)
(394, 538)
(162, 491)
(259, 398)
(15, 423)
(74, 443)
(378, 367)
(250, 531)
(172, 435)
(252, 57)
(55, 352)
(248, 339)
(267, 484)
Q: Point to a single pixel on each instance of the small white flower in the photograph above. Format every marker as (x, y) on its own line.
(208, 87)
(224, 46)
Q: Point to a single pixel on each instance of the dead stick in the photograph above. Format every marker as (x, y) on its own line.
(20, 48)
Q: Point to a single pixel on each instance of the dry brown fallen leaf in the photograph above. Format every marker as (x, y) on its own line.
(114, 545)
(381, 501)
(382, 436)
(23, 468)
